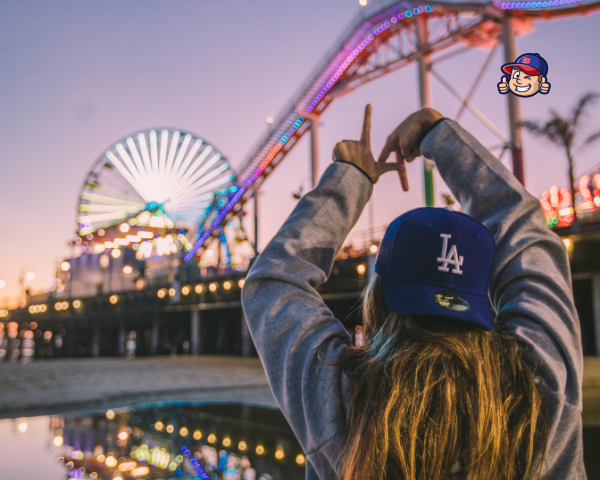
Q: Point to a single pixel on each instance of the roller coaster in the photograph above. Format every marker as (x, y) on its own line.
(383, 39)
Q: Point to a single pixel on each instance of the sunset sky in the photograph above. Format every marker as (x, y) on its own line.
(77, 76)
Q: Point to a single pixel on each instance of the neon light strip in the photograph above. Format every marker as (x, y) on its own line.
(359, 48)
(216, 222)
(274, 151)
(525, 5)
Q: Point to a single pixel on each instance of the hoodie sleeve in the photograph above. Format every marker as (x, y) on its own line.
(287, 318)
(530, 285)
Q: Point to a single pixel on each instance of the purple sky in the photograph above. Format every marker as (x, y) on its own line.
(76, 76)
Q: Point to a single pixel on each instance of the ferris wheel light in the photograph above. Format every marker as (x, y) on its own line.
(65, 266)
(171, 178)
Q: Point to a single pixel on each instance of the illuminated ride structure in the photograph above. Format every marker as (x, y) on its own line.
(384, 39)
(179, 440)
(161, 195)
(143, 202)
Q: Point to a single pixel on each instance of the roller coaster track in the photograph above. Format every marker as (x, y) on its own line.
(380, 41)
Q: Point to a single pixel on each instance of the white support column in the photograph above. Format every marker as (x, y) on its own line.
(154, 336)
(314, 150)
(96, 342)
(246, 338)
(596, 306)
(195, 332)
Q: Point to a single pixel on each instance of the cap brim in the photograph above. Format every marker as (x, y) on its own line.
(408, 298)
(526, 68)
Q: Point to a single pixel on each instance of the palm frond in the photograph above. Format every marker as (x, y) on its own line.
(588, 141)
(579, 110)
(532, 126)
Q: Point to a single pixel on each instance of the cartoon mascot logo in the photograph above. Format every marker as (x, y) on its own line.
(527, 76)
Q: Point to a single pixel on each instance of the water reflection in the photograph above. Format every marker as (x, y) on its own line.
(178, 441)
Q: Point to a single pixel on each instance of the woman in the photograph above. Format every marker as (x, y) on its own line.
(440, 389)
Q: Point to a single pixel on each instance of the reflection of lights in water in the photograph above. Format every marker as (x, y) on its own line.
(140, 471)
(126, 466)
(154, 449)
(110, 414)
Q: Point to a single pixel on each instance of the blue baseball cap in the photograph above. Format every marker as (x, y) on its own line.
(530, 63)
(437, 262)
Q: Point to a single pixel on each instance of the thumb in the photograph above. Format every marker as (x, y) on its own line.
(504, 79)
(543, 79)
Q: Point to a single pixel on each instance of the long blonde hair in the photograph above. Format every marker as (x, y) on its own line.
(431, 399)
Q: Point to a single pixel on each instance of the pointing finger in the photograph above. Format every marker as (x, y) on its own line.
(402, 172)
(366, 131)
(387, 149)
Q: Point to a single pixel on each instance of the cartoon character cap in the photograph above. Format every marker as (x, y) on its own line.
(437, 262)
(530, 63)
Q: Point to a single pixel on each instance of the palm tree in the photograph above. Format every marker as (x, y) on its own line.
(562, 131)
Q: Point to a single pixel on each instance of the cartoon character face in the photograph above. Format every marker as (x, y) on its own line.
(524, 85)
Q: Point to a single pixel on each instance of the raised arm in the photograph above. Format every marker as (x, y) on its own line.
(530, 285)
(288, 320)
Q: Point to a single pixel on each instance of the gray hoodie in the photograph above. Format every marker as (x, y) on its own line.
(530, 293)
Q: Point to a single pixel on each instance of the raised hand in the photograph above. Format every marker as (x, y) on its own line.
(406, 139)
(503, 86)
(544, 86)
(358, 153)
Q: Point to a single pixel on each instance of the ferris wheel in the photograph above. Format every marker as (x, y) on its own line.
(170, 177)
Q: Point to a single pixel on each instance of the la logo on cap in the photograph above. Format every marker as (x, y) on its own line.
(449, 258)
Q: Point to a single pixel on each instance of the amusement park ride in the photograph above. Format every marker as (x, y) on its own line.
(163, 207)
(164, 192)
